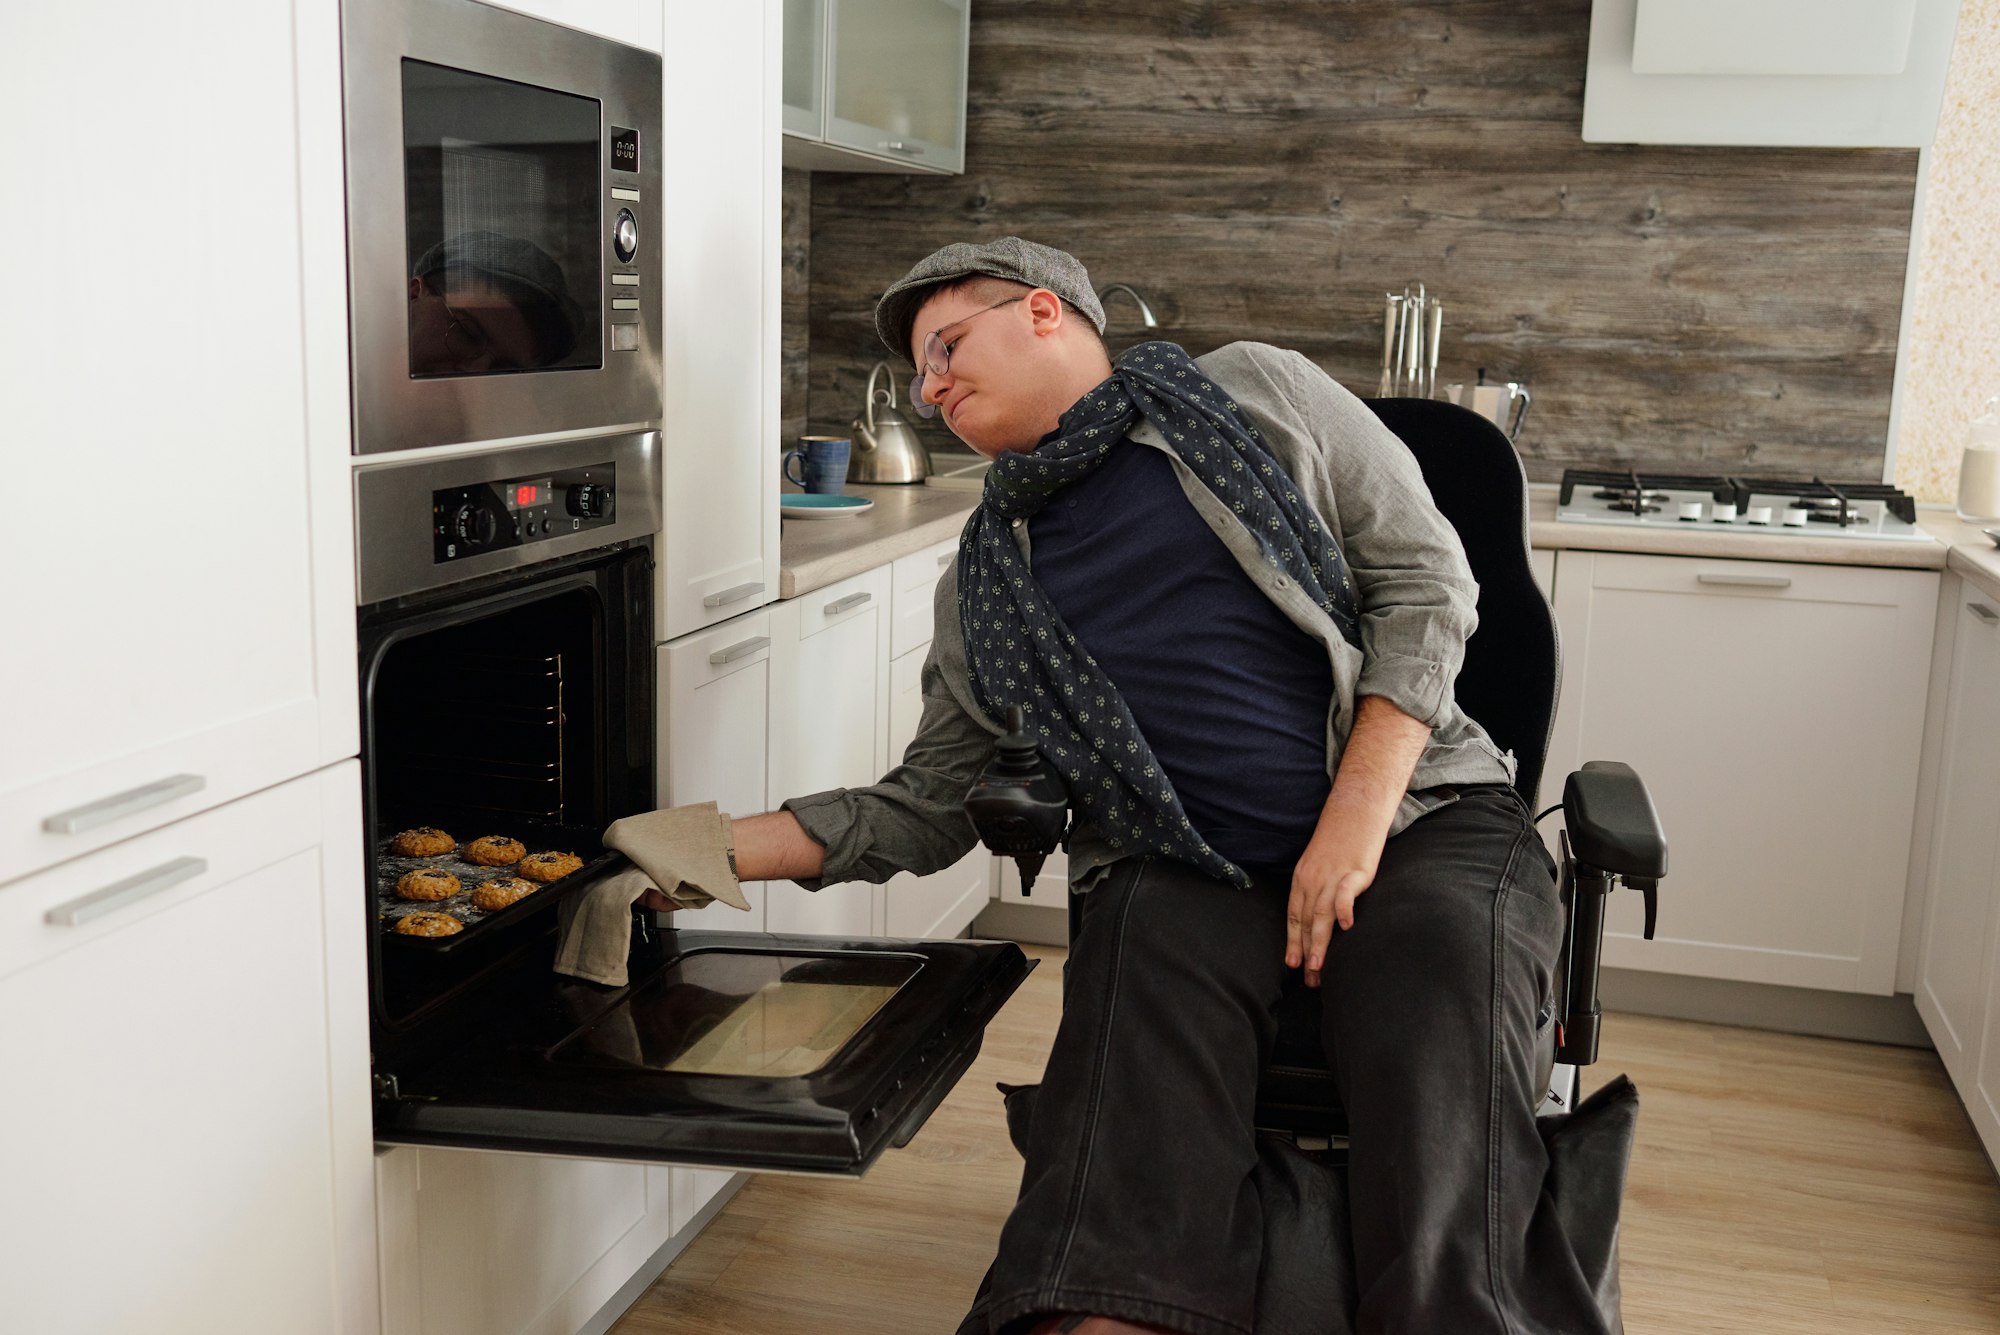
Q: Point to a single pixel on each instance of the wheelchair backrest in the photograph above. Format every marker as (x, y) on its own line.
(1513, 662)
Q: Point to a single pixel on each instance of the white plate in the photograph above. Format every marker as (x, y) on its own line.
(808, 506)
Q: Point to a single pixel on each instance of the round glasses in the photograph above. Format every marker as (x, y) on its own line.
(937, 358)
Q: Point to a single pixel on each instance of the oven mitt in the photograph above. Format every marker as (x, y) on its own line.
(687, 853)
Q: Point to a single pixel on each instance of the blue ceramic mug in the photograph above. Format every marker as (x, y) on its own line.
(822, 464)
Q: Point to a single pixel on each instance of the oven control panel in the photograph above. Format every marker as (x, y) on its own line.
(514, 512)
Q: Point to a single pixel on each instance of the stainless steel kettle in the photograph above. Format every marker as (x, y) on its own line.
(886, 448)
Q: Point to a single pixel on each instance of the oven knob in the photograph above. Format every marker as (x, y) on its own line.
(587, 501)
(1691, 510)
(1795, 516)
(473, 524)
(1758, 514)
(1723, 512)
(625, 236)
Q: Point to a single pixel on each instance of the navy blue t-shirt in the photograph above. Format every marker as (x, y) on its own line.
(1230, 694)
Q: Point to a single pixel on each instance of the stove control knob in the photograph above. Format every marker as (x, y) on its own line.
(1723, 512)
(1691, 510)
(1795, 516)
(587, 501)
(1758, 514)
(473, 524)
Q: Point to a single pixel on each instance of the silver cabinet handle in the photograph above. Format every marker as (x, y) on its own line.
(119, 805)
(946, 559)
(839, 605)
(736, 651)
(88, 908)
(898, 146)
(1747, 581)
(735, 595)
(1983, 612)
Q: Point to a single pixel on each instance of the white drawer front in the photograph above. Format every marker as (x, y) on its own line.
(859, 595)
(916, 577)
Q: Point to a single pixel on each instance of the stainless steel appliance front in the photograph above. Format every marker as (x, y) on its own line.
(426, 523)
(503, 197)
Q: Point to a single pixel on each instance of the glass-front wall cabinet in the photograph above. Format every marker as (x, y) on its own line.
(805, 67)
(880, 84)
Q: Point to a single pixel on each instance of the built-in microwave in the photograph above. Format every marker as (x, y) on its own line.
(503, 191)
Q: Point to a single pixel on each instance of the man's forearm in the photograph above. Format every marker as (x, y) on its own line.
(1382, 752)
(773, 847)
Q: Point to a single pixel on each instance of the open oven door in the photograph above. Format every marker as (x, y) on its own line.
(743, 1051)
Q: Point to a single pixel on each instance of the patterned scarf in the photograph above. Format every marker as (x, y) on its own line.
(1021, 653)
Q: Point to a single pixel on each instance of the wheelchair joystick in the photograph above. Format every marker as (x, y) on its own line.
(1017, 804)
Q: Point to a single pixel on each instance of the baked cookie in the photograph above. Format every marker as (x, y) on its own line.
(499, 894)
(422, 842)
(429, 924)
(428, 883)
(546, 867)
(495, 850)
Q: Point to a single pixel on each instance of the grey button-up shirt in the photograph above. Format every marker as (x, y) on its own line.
(1415, 597)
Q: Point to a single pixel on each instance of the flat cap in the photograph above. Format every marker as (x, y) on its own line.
(1010, 257)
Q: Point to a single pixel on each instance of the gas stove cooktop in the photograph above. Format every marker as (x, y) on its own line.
(1780, 507)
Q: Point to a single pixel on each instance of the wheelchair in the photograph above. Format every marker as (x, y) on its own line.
(1508, 683)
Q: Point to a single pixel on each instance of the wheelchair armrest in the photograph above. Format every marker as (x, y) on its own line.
(1611, 821)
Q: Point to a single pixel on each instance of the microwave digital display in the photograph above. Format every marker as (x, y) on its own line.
(624, 149)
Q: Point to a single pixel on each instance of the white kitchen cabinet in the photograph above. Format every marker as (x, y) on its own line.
(1542, 564)
(1955, 991)
(1775, 711)
(181, 580)
(183, 1027)
(715, 691)
(945, 902)
(875, 85)
(829, 729)
(476, 1243)
(719, 344)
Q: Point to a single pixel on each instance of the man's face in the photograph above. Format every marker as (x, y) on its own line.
(993, 393)
(479, 328)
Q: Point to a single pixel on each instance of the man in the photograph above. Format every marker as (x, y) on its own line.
(1233, 616)
(482, 302)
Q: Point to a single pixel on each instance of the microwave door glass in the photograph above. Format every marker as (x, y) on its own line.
(502, 220)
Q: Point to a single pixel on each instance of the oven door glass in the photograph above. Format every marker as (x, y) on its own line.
(501, 200)
(746, 1051)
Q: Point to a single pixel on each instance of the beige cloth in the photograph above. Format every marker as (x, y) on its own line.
(687, 853)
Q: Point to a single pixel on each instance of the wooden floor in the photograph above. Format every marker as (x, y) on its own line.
(1780, 1184)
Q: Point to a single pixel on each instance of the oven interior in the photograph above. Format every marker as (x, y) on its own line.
(519, 707)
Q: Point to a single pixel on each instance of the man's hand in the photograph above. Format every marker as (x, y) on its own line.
(769, 847)
(1375, 767)
(1325, 884)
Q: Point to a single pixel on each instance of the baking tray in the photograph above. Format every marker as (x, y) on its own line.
(391, 867)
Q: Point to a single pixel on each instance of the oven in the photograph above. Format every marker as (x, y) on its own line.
(506, 640)
(503, 197)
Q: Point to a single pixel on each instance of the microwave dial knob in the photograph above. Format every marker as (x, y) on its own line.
(625, 236)
(473, 524)
(587, 501)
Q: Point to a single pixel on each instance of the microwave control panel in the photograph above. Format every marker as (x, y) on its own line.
(468, 521)
(624, 298)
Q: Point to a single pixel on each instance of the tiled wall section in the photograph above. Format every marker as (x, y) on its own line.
(1264, 170)
(1953, 346)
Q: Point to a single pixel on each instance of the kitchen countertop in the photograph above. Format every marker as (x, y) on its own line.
(815, 553)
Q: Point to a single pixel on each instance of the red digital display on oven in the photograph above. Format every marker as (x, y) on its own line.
(527, 494)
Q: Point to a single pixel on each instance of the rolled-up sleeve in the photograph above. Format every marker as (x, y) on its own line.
(914, 818)
(1414, 591)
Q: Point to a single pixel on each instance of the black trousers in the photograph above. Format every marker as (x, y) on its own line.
(1136, 1200)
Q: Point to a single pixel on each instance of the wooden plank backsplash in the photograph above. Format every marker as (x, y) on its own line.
(1266, 170)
